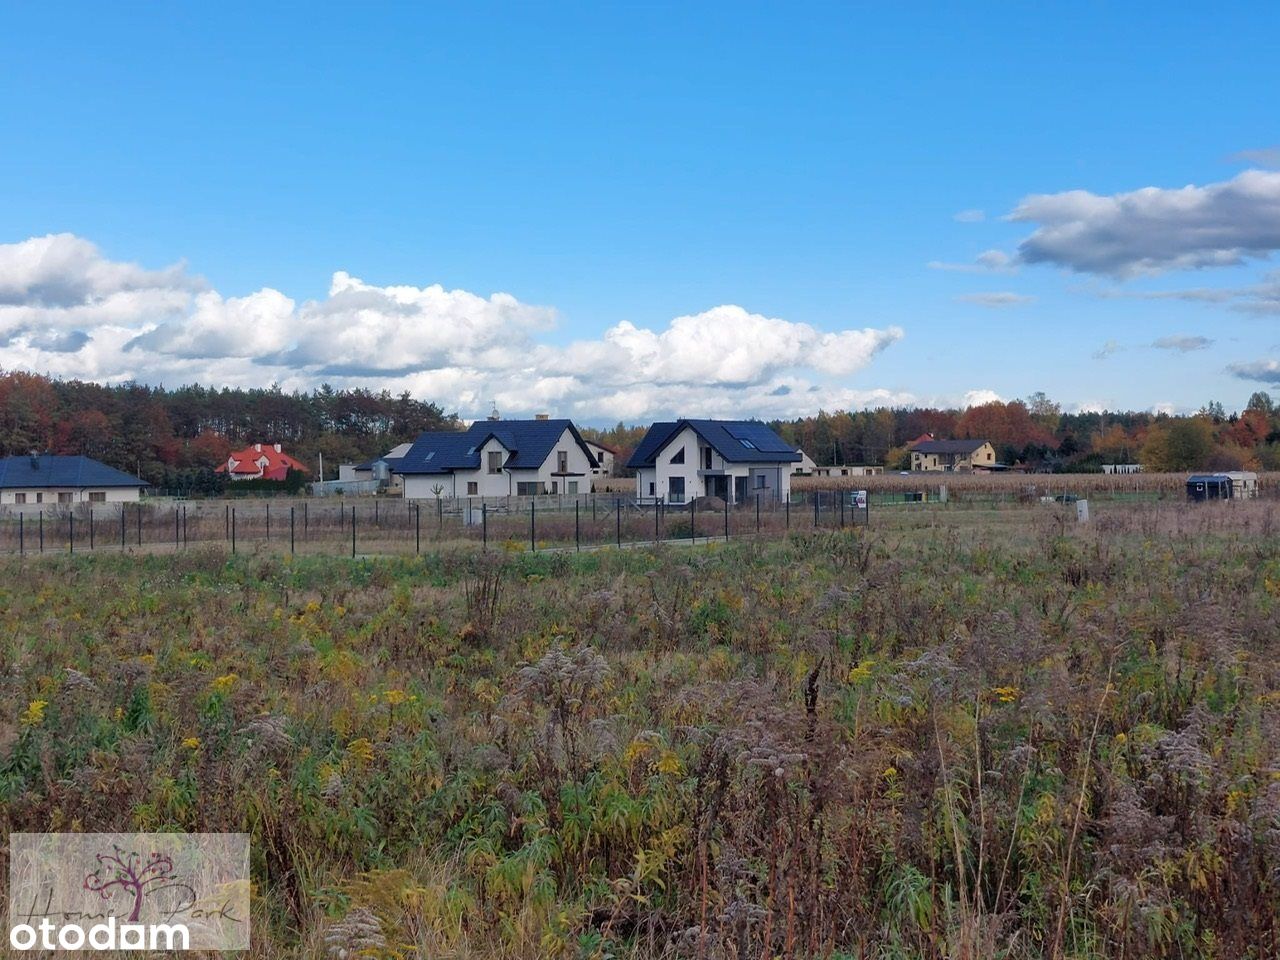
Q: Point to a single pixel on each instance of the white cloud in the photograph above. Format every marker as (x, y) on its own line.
(976, 398)
(1002, 298)
(970, 216)
(1183, 344)
(68, 311)
(1154, 230)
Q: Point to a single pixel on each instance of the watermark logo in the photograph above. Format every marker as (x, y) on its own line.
(135, 891)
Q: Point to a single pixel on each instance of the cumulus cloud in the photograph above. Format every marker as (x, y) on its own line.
(989, 261)
(1002, 298)
(68, 311)
(1183, 344)
(1154, 230)
(970, 216)
(976, 398)
(1264, 371)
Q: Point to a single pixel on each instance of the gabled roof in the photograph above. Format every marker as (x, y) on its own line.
(737, 441)
(947, 446)
(51, 471)
(528, 444)
(247, 459)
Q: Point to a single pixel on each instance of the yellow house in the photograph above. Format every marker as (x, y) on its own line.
(952, 455)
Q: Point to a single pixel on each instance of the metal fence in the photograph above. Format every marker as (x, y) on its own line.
(393, 526)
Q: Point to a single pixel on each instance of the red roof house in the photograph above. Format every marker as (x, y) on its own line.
(261, 461)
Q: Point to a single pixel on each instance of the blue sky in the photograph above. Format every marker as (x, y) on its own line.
(786, 179)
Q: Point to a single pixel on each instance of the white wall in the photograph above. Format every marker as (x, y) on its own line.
(777, 477)
(78, 495)
(504, 484)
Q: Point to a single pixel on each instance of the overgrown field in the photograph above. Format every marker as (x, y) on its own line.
(976, 736)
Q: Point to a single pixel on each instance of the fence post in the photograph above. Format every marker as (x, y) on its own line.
(726, 521)
(184, 526)
(177, 531)
(122, 528)
(577, 527)
(353, 531)
(656, 507)
(533, 538)
(42, 529)
(484, 525)
(841, 495)
(417, 527)
(757, 513)
(817, 498)
(291, 531)
(787, 504)
(306, 521)
(71, 532)
(268, 523)
(617, 520)
(233, 531)
(91, 547)
(138, 518)
(693, 525)
(22, 545)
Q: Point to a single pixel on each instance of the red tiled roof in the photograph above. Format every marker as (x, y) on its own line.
(246, 462)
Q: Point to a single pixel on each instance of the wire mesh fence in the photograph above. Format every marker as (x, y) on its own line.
(368, 526)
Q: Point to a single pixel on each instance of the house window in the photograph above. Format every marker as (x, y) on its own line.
(708, 459)
(675, 489)
(562, 461)
(651, 488)
(572, 486)
(555, 486)
(495, 461)
(528, 489)
(97, 496)
(19, 498)
(64, 498)
(761, 481)
(678, 456)
(39, 498)
(473, 487)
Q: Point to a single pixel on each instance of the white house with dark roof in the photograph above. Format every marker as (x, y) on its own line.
(45, 481)
(499, 458)
(735, 460)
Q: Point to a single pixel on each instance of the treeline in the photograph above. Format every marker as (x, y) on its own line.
(1035, 433)
(173, 438)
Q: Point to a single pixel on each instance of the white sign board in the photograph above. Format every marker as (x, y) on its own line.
(859, 499)
(1082, 511)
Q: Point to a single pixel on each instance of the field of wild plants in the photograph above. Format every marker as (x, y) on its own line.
(957, 734)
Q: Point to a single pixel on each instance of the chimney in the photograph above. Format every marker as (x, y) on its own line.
(257, 447)
(542, 416)
(278, 448)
